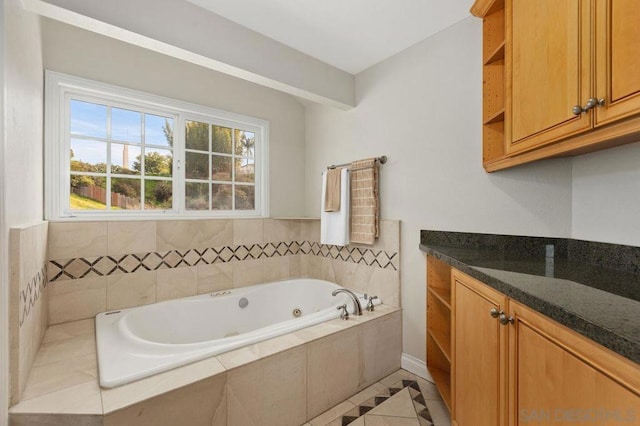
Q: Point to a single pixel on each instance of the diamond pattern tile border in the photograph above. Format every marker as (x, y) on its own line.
(419, 404)
(70, 269)
(30, 295)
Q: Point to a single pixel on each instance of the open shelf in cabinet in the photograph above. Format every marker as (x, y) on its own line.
(439, 325)
(494, 50)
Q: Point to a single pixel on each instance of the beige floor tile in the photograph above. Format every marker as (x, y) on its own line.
(332, 414)
(439, 413)
(429, 390)
(399, 405)
(394, 378)
(270, 391)
(79, 399)
(135, 392)
(199, 404)
(372, 420)
(59, 375)
(368, 393)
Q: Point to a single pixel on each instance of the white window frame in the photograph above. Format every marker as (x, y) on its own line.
(60, 88)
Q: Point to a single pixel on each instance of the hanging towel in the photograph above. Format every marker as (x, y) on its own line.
(334, 226)
(332, 194)
(365, 203)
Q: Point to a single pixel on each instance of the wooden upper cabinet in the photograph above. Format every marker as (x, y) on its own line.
(561, 77)
(548, 70)
(617, 59)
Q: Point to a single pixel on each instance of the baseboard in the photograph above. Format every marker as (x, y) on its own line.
(415, 366)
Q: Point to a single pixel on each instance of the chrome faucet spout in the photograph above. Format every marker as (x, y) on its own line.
(357, 307)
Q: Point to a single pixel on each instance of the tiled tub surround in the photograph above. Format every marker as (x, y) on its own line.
(28, 289)
(286, 380)
(139, 342)
(592, 288)
(99, 266)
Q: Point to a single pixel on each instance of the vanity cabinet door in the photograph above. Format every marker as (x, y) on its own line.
(617, 59)
(559, 377)
(479, 354)
(548, 60)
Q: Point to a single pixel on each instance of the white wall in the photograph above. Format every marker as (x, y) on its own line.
(422, 108)
(606, 196)
(82, 53)
(21, 155)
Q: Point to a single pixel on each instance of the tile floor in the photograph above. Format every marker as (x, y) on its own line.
(401, 399)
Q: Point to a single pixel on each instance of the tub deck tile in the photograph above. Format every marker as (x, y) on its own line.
(251, 353)
(132, 393)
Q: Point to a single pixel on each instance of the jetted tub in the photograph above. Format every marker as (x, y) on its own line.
(139, 342)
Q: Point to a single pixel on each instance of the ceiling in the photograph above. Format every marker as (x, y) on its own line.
(349, 34)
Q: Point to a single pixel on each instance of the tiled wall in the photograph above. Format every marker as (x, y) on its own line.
(28, 291)
(98, 266)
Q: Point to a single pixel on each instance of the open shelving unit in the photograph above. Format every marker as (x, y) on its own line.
(493, 77)
(439, 326)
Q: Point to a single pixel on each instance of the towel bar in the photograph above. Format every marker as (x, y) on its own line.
(381, 160)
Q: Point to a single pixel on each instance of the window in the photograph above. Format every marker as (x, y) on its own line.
(114, 152)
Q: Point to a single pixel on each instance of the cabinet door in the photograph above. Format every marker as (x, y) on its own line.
(548, 62)
(560, 377)
(479, 354)
(617, 59)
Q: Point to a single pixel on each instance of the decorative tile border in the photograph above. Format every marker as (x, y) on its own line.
(83, 267)
(30, 295)
(419, 405)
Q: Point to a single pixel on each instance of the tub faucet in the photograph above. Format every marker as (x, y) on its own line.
(357, 308)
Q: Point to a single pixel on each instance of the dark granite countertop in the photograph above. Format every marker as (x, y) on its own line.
(591, 288)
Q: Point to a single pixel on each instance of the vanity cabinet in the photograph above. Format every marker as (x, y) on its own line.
(510, 365)
(479, 353)
(567, 78)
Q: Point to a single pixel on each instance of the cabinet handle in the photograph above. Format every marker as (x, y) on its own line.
(504, 320)
(495, 313)
(591, 103)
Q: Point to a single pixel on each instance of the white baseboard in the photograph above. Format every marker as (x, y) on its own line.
(415, 366)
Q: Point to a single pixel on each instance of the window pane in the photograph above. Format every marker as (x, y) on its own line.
(158, 130)
(125, 159)
(125, 193)
(88, 119)
(88, 156)
(197, 136)
(221, 140)
(126, 125)
(197, 196)
(221, 197)
(245, 197)
(158, 194)
(197, 166)
(87, 193)
(158, 162)
(245, 170)
(245, 143)
(220, 168)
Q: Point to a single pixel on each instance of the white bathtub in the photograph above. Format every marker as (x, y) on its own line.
(139, 342)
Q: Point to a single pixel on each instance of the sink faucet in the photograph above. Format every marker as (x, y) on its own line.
(357, 308)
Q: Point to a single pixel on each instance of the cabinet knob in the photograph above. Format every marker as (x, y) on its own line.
(495, 313)
(591, 103)
(504, 320)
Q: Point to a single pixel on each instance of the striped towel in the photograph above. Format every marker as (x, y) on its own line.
(365, 203)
